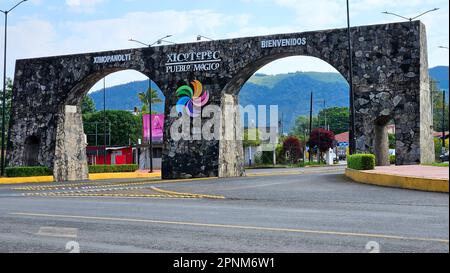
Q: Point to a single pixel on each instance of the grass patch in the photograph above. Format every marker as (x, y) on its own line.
(445, 164)
(113, 168)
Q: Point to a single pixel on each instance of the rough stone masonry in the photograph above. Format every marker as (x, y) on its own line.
(390, 83)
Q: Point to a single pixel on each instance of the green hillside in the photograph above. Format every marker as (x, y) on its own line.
(291, 92)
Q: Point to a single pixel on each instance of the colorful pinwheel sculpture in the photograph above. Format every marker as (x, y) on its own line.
(190, 100)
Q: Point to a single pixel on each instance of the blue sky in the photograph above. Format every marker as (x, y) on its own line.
(52, 27)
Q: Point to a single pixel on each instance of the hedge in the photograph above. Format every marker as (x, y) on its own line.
(361, 162)
(392, 159)
(27, 171)
(113, 168)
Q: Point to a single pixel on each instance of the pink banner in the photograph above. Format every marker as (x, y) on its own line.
(157, 126)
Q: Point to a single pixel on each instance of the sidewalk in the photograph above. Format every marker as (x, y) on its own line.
(429, 172)
(424, 178)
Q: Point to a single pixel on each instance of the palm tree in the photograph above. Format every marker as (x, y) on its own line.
(145, 97)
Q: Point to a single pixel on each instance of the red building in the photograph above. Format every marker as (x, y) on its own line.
(114, 155)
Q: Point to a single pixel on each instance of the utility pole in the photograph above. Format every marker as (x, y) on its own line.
(150, 124)
(310, 123)
(443, 122)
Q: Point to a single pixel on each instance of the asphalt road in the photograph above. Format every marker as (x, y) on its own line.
(310, 212)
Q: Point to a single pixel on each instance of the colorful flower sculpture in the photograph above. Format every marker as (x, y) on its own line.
(190, 100)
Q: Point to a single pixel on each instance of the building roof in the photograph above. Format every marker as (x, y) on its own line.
(344, 137)
(439, 134)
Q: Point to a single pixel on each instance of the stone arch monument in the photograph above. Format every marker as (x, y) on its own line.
(390, 82)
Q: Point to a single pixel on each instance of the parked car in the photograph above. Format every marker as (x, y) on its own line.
(444, 157)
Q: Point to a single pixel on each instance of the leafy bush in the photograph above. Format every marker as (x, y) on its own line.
(361, 162)
(293, 149)
(281, 156)
(27, 171)
(113, 168)
(267, 158)
(392, 159)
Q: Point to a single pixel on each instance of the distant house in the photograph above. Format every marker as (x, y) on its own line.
(268, 144)
(114, 155)
(344, 138)
(439, 135)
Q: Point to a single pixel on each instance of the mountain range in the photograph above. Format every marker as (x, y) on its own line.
(291, 92)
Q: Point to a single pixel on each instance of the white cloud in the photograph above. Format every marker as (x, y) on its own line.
(36, 36)
(33, 37)
(83, 5)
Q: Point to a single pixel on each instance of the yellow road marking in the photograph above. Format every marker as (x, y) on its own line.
(187, 194)
(291, 230)
(98, 185)
(111, 195)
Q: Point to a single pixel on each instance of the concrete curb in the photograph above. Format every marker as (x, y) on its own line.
(92, 177)
(26, 180)
(396, 181)
(107, 176)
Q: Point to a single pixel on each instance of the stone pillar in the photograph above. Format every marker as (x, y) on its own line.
(426, 115)
(381, 145)
(70, 152)
(231, 150)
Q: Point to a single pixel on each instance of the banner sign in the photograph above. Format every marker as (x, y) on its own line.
(157, 126)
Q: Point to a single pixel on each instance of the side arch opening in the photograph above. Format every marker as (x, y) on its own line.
(118, 128)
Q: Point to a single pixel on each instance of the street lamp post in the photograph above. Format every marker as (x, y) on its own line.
(159, 41)
(352, 134)
(412, 18)
(5, 12)
(199, 38)
(105, 154)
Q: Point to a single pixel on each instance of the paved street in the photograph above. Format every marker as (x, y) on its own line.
(314, 211)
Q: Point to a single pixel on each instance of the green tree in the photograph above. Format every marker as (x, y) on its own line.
(301, 127)
(251, 138)
(125, 127)
(337, 118)
(392, 140)
(8, 99)
(438, 102)
(88, 105)
(145, 97)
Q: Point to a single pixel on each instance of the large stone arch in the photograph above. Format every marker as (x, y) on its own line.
(390, 79)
